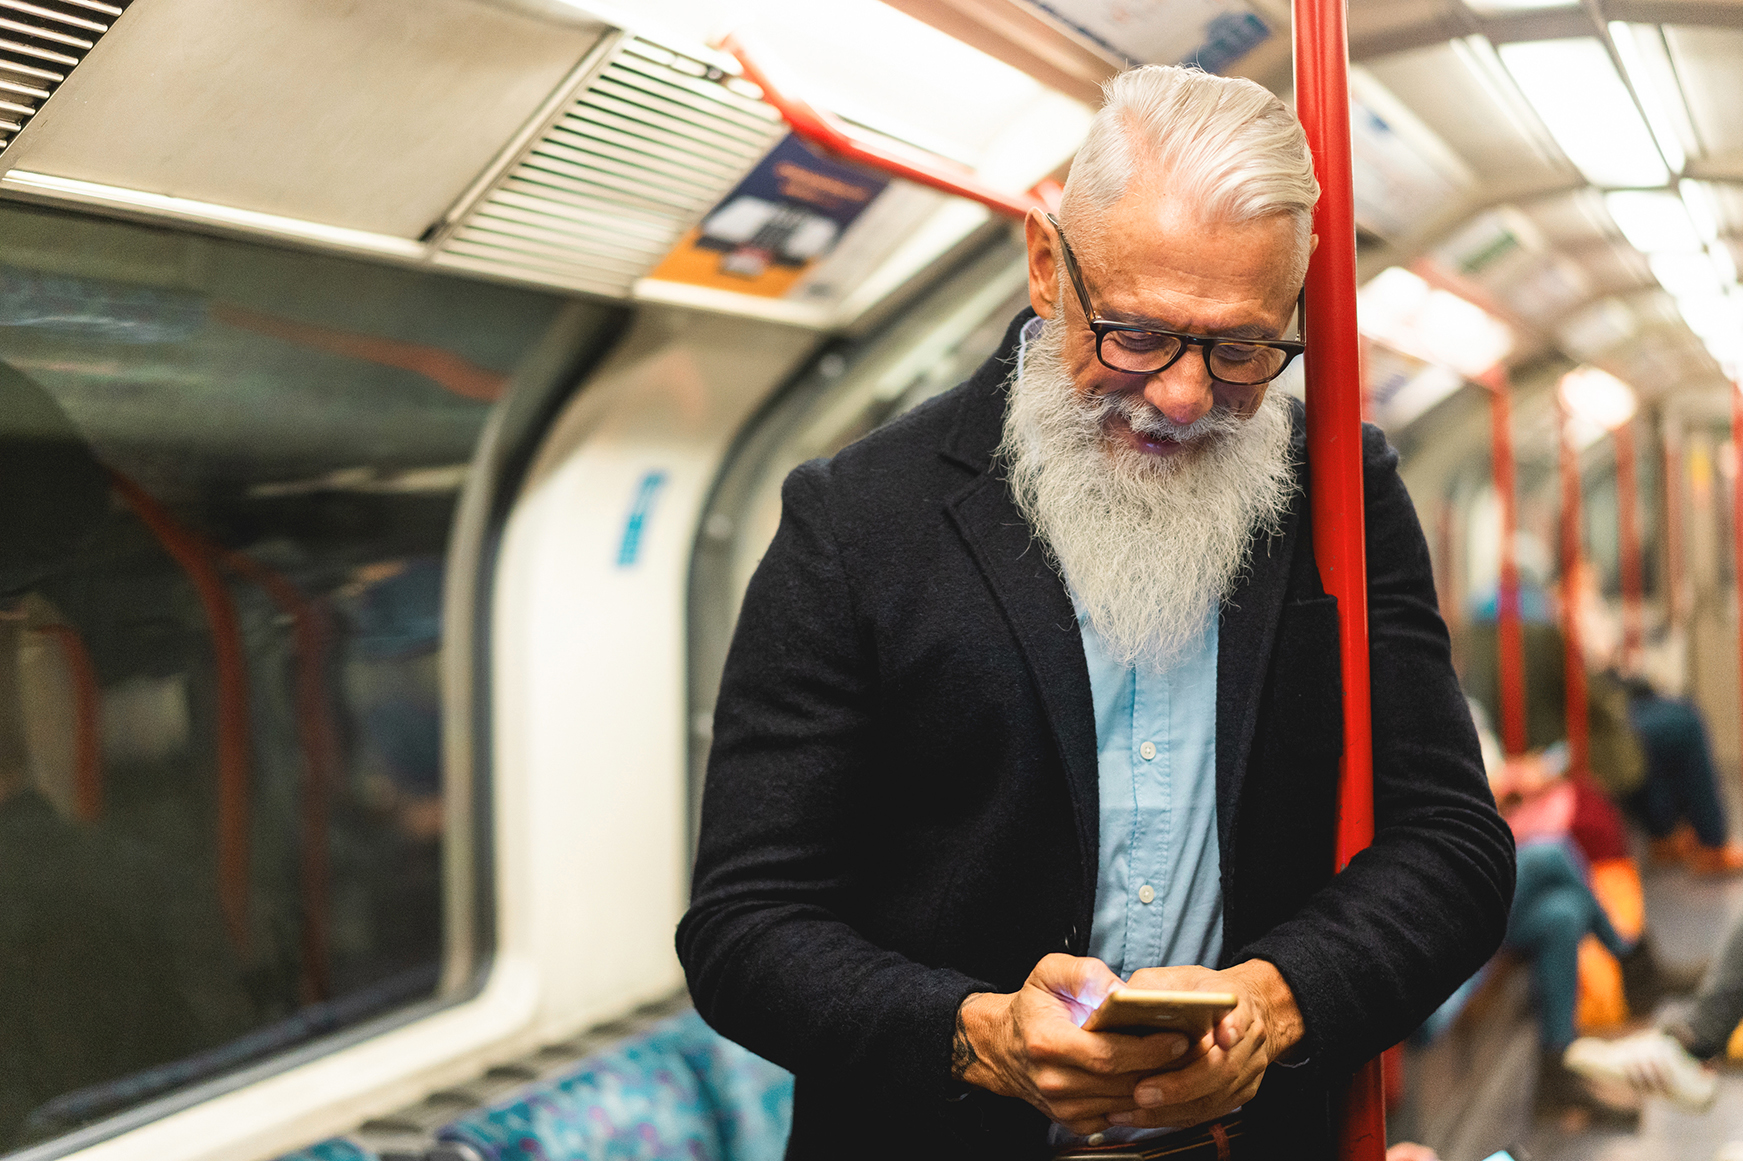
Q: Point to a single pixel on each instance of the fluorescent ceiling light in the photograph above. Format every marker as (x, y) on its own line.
(1713, 316)
(1579, 96)
(1491, 6)
(1724, 263)
(1649, 70)
(1685, 275)
(1401, 310)
(1653, 223)
(1598, 397)
(1698, 200)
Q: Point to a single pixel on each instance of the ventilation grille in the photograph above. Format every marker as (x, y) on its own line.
(647, 148)
(41, 41)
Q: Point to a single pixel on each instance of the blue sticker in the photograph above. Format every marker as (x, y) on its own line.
(639, 510)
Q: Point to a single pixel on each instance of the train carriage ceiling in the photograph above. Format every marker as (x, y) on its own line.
(1570, 172)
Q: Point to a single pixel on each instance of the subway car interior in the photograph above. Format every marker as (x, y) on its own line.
(398, 395)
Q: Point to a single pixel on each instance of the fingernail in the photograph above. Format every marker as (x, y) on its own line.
(1121, 1119)
(1176, 1050)
(1147, 1097)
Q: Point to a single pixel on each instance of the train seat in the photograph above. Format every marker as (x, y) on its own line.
(677, 1090)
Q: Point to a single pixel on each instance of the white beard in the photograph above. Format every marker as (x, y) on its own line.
(1150, 545)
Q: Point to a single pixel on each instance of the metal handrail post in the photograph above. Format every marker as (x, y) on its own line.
(1334, 443)
(1509, 629)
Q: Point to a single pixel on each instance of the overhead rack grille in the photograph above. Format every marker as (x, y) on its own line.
(642, 152)
(41, 41)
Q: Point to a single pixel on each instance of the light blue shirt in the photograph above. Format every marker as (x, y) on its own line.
(1158, 897)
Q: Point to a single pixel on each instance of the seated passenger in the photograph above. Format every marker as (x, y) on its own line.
(1678, 801)
(1674, 1059)
(1036, 692)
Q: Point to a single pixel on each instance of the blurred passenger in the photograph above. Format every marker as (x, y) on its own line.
(1678, 801)
(1674, 1058)
(1554, 911)
(1035, 692)
(88, 987)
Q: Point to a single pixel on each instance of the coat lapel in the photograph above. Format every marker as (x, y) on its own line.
(1040, 614)
(1032, 597)
(1245, 635)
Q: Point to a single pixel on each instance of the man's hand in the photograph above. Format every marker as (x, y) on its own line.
(1225, 1068)
(1028, 1045)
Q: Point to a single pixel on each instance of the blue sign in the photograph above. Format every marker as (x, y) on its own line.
(640, 508)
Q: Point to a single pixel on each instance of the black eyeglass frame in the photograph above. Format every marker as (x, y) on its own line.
(1101, 328)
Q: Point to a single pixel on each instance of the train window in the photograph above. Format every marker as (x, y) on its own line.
(227, 477)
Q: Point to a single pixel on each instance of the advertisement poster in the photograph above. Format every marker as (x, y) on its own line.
(785, 215)
(1212, 34)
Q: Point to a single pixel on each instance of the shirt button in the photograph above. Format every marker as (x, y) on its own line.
(1148, 750)
(1146, 894)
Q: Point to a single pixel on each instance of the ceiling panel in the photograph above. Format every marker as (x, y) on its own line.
(1573, 219)
(1710, 64)
(371, 116)
(1452, 101)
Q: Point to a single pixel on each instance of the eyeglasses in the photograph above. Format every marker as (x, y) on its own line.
(1136, 350)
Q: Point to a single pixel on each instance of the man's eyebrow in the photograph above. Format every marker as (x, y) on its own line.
(1244, 331)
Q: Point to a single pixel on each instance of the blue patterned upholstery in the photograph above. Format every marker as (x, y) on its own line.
(678, 1092)
(336, 1149)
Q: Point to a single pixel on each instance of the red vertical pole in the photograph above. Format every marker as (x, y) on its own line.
(1671, 449)
(1737, 502)
(1334, 454)
(1628, 541)
(1509, 632)
(1573, 657)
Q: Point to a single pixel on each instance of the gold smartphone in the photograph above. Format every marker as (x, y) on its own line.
(1139, 1012)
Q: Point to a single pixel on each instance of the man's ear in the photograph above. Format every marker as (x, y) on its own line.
(1312, 244)
(1040, 239)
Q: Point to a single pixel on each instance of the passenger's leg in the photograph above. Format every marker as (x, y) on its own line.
(1679, 761)
(1548, 928)
(1705, 1027)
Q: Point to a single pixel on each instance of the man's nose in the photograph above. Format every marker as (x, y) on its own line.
(1183, 391)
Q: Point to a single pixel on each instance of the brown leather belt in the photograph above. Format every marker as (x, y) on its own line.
(1214, 1141)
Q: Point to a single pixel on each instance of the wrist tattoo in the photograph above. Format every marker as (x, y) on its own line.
(962, 1054)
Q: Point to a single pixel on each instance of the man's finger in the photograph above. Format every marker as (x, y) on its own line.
(1083, 980)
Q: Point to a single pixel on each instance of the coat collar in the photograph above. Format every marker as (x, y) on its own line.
(1038, 609)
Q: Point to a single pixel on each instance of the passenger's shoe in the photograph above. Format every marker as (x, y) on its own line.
(1725, 860)
(1676, 846)
(1648, 1062)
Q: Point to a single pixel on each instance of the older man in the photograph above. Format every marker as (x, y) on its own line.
(1037, 689)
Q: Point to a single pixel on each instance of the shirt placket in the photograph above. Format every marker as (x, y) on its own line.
(1152, 772)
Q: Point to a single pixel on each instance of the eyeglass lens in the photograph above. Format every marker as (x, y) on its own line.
(1144, 352)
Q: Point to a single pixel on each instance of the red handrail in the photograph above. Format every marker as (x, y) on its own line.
(1509, 632)
(820, 128)
(87, 741)
(1573, 656)
(1334, 443)
(230, 661)
(1628, 541)
(312, 632)
(1671, 451)
(1737, 504)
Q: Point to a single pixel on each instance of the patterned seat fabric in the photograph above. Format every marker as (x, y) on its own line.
(678, 1092)
(337, 1149)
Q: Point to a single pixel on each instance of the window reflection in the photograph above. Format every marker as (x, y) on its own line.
(227, 475)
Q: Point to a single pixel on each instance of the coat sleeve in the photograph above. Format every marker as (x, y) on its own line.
(1383, 943)
(770, 960)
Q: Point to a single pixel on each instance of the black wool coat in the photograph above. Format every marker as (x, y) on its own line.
(901, 805)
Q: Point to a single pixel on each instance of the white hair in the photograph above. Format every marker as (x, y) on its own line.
(1226, 145)
(1150, 546)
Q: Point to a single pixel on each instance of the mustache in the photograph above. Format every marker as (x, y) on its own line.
(1145, 418)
